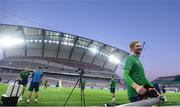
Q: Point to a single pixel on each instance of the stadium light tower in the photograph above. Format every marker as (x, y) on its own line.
(8, 41)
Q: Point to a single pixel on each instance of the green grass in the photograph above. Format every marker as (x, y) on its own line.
(94, 97)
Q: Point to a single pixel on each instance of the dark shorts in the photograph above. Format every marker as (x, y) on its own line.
(23, 82)
(112, 90)
(45, 84)
(134, 99)
(34, 85)
(164, 91)
(82, 87)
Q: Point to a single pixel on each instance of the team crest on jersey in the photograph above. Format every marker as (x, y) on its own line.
(137, 62)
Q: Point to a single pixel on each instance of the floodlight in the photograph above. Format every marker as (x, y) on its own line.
(93, 50)
(50, 41)
(40, 41)
(65, 43)
(27, 40)
(114, 59)
(11, 41)
(31, 40)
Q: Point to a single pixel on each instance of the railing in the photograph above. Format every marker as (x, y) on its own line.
(148, 102)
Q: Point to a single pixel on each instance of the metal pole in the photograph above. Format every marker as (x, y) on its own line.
(147, 102)
(71, 93)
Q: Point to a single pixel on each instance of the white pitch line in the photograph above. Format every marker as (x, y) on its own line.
(69, 102)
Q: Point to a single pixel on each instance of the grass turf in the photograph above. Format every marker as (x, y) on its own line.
(93, 97)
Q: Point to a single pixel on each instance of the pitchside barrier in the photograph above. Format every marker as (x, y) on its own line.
(147, 102)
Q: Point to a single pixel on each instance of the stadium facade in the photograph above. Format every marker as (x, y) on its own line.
(63, 53)
(172, 83)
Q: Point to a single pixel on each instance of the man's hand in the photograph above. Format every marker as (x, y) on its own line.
(140, 89)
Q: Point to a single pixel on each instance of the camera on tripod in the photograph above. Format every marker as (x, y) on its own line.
(82, 86)
(81, 71)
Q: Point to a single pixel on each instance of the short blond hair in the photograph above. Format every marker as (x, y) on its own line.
(132, 44)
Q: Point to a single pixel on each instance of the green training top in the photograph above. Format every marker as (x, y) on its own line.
(113, 83)
(82, 83)
(24, 75)
(46, 81)
(134, 72)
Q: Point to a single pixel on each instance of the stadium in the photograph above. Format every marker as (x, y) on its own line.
(65, 55)
(172, 82)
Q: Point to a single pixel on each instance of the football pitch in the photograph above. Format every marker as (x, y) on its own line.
(93, 97)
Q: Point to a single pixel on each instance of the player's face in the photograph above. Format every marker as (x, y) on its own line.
(137, 49)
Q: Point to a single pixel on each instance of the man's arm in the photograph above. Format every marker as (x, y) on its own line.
(130, 82)
(42, 79)
(127, 78)
(19, 77)
(31, 75)
(127, 68)
(110, 83)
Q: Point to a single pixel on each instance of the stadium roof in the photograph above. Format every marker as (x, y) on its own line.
(168, 79)
(22, 41)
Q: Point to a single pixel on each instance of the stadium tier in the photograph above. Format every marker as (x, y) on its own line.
(64, 54)
(172, 83)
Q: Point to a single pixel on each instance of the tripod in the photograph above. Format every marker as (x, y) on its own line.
(82, 89)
